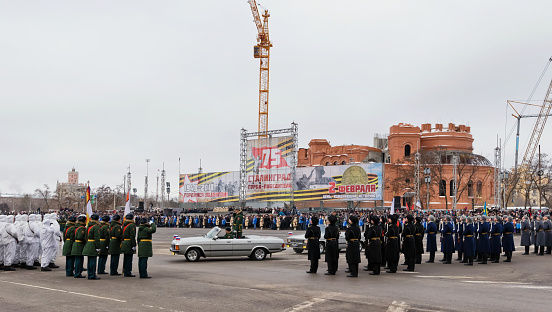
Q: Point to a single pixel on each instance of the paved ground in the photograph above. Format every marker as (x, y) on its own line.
(281, 284)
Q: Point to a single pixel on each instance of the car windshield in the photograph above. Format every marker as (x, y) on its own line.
(213, 232)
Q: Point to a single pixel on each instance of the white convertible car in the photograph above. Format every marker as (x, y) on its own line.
(213, 245)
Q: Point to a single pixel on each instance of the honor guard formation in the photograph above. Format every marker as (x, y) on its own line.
(479, 238)
(32, 241)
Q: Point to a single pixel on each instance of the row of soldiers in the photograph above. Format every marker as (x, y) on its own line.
(473, 238)
(109, 236)
(26, 239)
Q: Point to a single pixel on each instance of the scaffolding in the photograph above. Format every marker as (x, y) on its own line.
(293, 131)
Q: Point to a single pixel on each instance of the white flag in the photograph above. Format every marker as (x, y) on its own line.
(127, 205)
(418, 204)
(393, 206)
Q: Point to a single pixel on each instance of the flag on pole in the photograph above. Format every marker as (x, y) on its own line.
(127, 205)
(393, 206)
(418, 204)
(88, 205)
(407, 208)
(485, 209)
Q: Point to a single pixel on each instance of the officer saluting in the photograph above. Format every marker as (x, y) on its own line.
(145, 249)
(128, 247)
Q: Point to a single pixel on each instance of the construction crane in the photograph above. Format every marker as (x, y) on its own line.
(262, 51)
(535, 137)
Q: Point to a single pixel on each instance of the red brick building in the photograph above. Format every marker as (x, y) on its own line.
(437, 147)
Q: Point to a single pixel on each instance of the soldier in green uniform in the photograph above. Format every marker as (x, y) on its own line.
(229, 234)
(69, 238)
(92, 246)
(145, 250)
(104, 244)
(78, 245)
(116, 234)
(128, 247)
(238, 222)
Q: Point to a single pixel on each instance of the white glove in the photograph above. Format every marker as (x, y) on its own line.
(97, 250)
(151, 222)
(133, 248)
(106, 247)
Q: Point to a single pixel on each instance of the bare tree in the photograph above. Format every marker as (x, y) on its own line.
(44, 194)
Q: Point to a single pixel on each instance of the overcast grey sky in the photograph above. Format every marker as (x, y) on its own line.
(100, 85)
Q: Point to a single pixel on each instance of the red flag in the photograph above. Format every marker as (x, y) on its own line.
(407, 206)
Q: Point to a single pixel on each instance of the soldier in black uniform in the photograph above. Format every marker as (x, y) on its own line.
(352, 235)
(409, 244)
(373, 243)
(392, 247)
(313, 236)
(419, 239)
(332, 247)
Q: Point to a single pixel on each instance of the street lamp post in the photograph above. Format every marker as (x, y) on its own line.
(427, 178)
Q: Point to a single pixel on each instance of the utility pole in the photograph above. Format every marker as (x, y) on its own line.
(427, 173)
(146, 184)
(417, 176)
(497, 162)
(163, 187)
(455, 186)
(157, 190)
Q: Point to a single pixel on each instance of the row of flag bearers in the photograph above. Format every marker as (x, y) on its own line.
(99, 239)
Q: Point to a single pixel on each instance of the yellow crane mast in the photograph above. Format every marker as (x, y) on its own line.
(262, 52)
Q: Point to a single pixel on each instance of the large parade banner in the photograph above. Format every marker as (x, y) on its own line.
(359, 182)
(269, 163)
(268, 176)
(209, 187)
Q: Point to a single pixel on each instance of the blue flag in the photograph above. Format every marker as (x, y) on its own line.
(485, 209)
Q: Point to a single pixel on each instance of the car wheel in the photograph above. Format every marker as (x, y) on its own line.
(193, 255)
(259, 254)
(297, 250)
(322, 247)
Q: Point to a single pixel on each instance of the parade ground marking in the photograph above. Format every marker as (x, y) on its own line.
(63, 291)
(444, 277)
(398, 307)
(305, 305)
